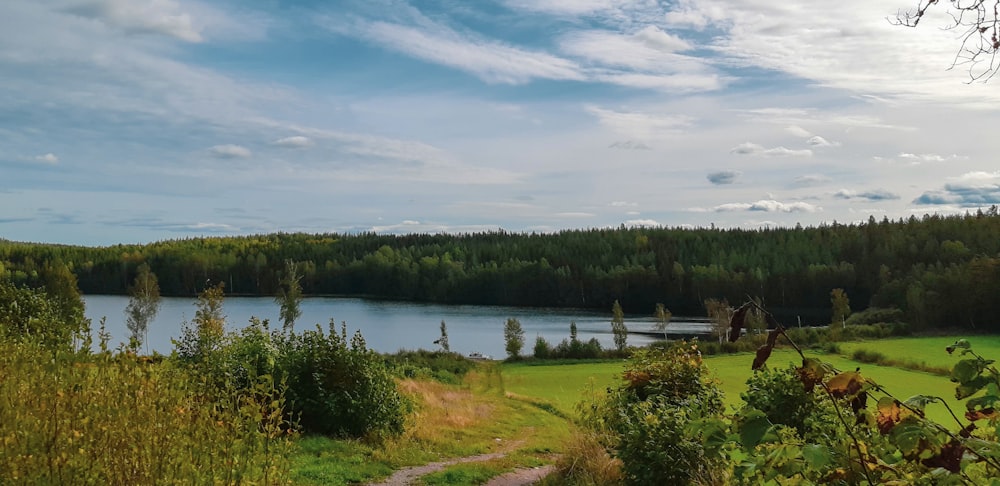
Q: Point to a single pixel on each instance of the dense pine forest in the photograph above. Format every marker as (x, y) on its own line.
(940, 271)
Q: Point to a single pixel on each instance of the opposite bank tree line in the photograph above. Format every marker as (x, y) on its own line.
(939, 271)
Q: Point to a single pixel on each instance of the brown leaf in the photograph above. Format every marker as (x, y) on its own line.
(846, 384)
(984, 413)
(811, 373)
(949, 458)
(763, 353)
(737, 321)
(889, 414)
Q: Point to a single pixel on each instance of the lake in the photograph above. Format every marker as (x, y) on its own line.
(387, 326)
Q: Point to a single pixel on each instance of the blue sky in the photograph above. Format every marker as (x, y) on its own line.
(126, 121)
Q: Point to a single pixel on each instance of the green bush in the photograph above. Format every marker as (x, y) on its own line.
(434, 362)
(339, 389)
(783, 399)
(644, 420)
(33, 312)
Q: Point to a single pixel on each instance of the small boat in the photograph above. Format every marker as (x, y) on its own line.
(475, 356)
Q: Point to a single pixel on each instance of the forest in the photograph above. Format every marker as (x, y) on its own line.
(941, 271)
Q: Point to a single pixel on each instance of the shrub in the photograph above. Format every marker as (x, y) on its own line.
(542, 348)
(32, 312)
(782, 398)
(866, 356)
(77, 418)
(339, 389)
(445, 367)
(645, 419)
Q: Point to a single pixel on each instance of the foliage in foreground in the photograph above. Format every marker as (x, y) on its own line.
(333, 386)
(808, 424)
(78, 418)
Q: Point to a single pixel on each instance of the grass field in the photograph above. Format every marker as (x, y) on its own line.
(563, 386)
(927, 350)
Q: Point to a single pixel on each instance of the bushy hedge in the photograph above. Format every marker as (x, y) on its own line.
(444, 366)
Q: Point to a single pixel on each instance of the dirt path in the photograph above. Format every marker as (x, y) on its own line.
(519, 477)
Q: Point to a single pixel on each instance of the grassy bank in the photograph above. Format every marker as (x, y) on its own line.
(448, 421)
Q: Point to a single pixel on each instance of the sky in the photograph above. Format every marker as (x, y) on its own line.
(131, 121)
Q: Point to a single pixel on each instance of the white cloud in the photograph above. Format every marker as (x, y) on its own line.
(297, 141)
(630, 145)
(768, 206)
(642, 223)
(622, 204)
(848, 50)
(230, 151)
(811, 180)
(818, 141)
(798, 131)
(640, 125)
(141, 16)
(749, 148)
(564, 7)
(49, 158)
(873, 195)
(917, 159)
(490, 60)
(971, 189)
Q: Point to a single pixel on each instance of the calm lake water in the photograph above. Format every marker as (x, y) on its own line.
(387, 326)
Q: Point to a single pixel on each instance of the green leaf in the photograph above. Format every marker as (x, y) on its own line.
(966, 390)
(984, 401)
(816, 455)
(914, 439)
(960, 344)
(965, 371)
(755, 429)
(919, 402)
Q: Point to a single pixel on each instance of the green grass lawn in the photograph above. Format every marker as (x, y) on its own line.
(927, 350)
(563, 386)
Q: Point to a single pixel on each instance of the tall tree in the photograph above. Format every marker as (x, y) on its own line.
(513, 335)
(663, 316)
(618, 326)
(143, 304)
(841, 307)
(443, 340)
(289, 295)
(720, 313)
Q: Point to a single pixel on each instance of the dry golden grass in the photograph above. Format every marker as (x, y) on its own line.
(439, 405)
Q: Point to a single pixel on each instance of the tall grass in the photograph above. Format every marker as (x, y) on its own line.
(77, 418)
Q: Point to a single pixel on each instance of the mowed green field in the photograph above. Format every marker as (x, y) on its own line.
(927, 350)
(564, 386)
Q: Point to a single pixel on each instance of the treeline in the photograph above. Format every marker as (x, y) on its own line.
(940, 271)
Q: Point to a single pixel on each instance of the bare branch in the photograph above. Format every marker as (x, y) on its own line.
(980, 43)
